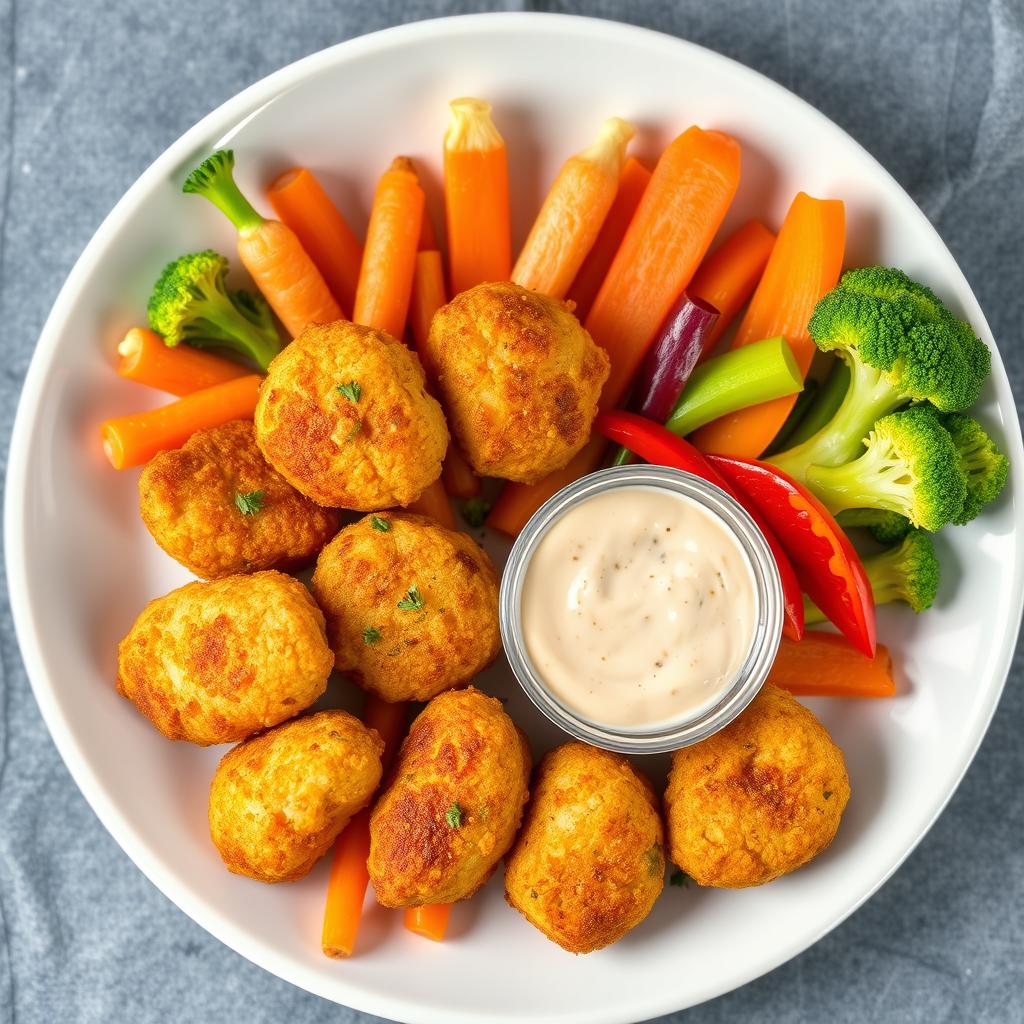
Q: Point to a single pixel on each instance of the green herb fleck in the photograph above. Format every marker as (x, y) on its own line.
(249, 503)
(371, 635)
(680, 878)
(454, 816)
(654, 863)
(827, 793)
(533, 894)
(475, 512)
(353, 390)
(379, 524)
(355, 430)
(413, 600)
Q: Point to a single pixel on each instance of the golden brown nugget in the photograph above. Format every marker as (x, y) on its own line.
(278, 801)
(214, 662)
(412, 607)
(758, 799)
(589, 862)
(520, 379)
(455, 802)
(345, 418)
(218, 508)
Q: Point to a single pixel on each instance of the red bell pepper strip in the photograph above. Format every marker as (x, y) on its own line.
(653, 443)
(826, 564)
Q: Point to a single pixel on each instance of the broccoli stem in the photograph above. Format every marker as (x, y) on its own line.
(876, 479)
(213, 179)
(218, 323)
(826, 404)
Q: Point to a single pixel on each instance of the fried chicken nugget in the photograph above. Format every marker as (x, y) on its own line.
(412, 607)
(278, 801)
(218, 508)
(520, 378)
(214, 662)
(455, 802)
(758, 799)
(589, 861)
(345, 418)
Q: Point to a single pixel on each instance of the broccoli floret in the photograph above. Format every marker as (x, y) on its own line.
(885, 527)
(191, 303)
(910, 466)
(908, 572)
(901, 345)
(983, 464)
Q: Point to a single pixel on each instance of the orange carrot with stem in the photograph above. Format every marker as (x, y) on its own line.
(476, 197)
(729, 275)
(134, 439)
(268, 249)
(430, 921)
(385, 278)
(575, 208)
(632, 183)
(346, 886)
(299, 200)
(826, 665)
(143, 357)
(804, 264)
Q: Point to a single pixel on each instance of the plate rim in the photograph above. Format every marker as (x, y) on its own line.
(220, 123)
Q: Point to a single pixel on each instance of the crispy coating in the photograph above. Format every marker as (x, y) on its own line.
(214, 662)
(589, 862)
(408, 653)
(187, 497)
(758, 799)
(520, 378)
(454, 803)
(378, 446)
(279, 800)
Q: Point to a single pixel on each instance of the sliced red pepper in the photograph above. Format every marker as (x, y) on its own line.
(826, 564)
(653, 443)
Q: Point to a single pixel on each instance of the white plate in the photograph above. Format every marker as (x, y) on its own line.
(81, 565)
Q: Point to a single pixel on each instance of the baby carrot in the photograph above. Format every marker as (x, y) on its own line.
(826, 665)
(476, 197)
(595, 267)
(385, 278)
(575, 208)
(430, 921)
(300, 201)
(134, 439)
(434, 502)
(268, 249)
(144, 358)
(728, 277)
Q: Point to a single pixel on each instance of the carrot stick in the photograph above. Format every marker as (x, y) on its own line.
(804, 264)
(144, 358)
(575, 208)
(476, 197)
(430, 921)
(595, 267)
(134, 439)
(434, 502)
(300, 201)
(457, 475)
(428, 236)
(825, 665)
(385, 278)
(268, 249)
(346, 886)
(728, 277)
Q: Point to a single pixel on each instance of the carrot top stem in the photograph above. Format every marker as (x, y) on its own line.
(608, 150)
(470, 126)
(213, 179)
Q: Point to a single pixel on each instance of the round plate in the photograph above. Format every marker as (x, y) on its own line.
(81, 565)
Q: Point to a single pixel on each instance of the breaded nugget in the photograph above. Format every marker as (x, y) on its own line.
(412, 607)
(758, 799)
(344, 417)
(589, 861)
(279, 800)
(455, 802)
(214, 662)
(520, 379)
(217, 507)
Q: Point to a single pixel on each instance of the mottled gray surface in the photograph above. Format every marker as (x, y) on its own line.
(90, 93)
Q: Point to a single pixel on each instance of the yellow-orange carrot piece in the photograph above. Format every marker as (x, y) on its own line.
(434, 502)
(268, 249)
(346, 886)
(457, 474)
(826, 665)
(428, 236)
(804, 264)
(134, 439)
(299, 200)
(385, 278)
(143, 357)
(588, 281)
(430, 921)
(575, 208)
(476, 197)
(729, 275)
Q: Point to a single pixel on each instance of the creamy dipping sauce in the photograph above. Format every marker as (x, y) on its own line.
(638, 606)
